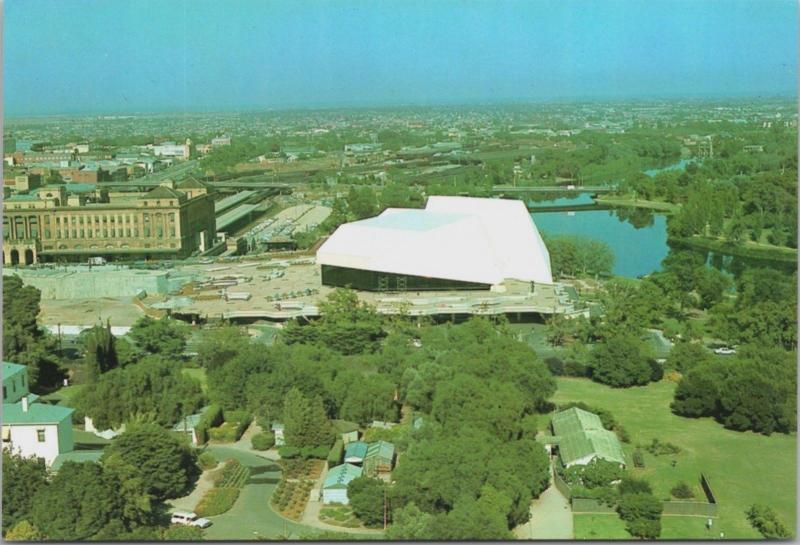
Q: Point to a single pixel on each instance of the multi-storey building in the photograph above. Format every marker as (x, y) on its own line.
(163, 223)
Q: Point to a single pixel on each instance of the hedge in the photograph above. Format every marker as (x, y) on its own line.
(236, 422)
(336, 453)
(211, 417)
(288, 452)
(263, 441)
(217, 501)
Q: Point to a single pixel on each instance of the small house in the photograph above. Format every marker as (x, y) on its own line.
(277, 429)
(579, 437)
(349, 437)
(32, 429)
(334, 489)
(379, 458)
(354, 452)
(187, 426)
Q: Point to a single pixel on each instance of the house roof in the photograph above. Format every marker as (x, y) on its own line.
(600, 443)
(380, 449)
(192, 183)
(37, 413)
(574, 420)
(356, 449)
(161, 192)
(76, 456)
(12, 369)
(580, 434)
(340, 476)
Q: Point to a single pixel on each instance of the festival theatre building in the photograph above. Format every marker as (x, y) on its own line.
(454, 243)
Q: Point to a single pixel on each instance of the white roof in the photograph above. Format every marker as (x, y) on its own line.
(454, 238)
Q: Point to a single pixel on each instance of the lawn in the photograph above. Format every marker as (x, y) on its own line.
(64, 395)
(743, 468)
(595, 527)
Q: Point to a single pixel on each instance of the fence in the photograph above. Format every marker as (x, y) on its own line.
(671, 507)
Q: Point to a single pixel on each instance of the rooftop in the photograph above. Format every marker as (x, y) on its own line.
(340, 476)
(37, 413)
(12, 369)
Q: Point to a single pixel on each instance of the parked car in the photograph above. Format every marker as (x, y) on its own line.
(724, 351)
(189, 519)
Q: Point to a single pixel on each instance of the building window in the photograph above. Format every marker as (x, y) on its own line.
(40, 435)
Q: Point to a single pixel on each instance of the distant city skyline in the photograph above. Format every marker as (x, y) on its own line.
(129, 56)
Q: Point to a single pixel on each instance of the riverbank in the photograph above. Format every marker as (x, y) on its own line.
(665, 207)
(748, 250)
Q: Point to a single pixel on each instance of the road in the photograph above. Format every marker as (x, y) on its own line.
(551, 517)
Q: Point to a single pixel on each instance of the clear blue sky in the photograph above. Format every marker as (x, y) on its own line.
(74, 56)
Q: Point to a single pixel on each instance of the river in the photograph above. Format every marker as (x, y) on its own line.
(637, 236)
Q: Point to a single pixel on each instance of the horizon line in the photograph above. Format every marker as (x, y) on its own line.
(321, 106)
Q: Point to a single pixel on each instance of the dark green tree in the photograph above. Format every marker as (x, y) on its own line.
(366, 496)
(166, 464)
(621, 361)
(23, 478)
(164, 337)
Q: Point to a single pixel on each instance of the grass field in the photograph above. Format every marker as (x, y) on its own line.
(744, 468)
(596, 527)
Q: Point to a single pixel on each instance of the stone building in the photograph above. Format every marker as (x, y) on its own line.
(165, 222)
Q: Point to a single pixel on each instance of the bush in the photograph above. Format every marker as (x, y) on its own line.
(217, 501)
(638, 458)
(631, 485)
(555, 365)
(764, 519)
(207, 460)
(657, 448)
(263, 441)
(183, 532)
(288, 452)
(318, 453)
(682, 491)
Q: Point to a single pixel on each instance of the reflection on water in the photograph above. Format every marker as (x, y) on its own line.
(637, 237)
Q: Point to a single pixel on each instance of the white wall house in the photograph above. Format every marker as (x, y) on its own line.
(29, 428)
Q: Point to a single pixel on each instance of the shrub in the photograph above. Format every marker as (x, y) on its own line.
(555, 365)
(631, 485)
(682, 491)
(764, 519)
(638, 458)
(207, 460)
(642, 513)
(288, 452)
(217, 501)
(574, 368)
(183, 532)
(657, 448)
(263, 441)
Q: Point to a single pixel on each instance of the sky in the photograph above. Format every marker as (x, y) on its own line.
(117, 56)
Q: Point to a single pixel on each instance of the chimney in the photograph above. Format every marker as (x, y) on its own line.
(24, 404)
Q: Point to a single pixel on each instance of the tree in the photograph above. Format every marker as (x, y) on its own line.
(348, 325)
(362, 202)
(83, 502)
(684, 356)
(305, 423)
(621, 361)
(367, 499)
(165, 464)
(764, 519)
(23, 341)
(471, 519)
(364, 399)
(642, 513)
(100, 353)
(219, 346)
(153, 389)
(711, 286)
(409, 523)
(24, 531)
(164, 337)
(23, 478)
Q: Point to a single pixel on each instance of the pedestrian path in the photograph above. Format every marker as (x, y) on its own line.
(551, 517)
